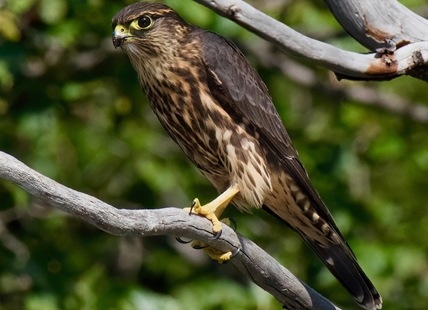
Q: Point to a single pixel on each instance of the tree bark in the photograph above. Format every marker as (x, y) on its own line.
(377, 24)
(251, 260)
(397, 51)
(361, 94)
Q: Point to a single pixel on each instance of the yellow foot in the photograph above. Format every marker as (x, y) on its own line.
(218, 255)
(206, 211)
(212, 252)
(212, 211)
(215, 208)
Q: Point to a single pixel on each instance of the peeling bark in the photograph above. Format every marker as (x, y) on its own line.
(376, 24)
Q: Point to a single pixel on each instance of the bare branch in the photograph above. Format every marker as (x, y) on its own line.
(375, 24)
(363, 95)
(382, 65)
(251, 260)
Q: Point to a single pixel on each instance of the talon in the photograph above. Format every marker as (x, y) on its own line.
(213, 210)
(216, 235)
(234, 253)
(228, 256)
(194, 202)
(198, 245)
(221, 258)
(179, 240)
(233, 222)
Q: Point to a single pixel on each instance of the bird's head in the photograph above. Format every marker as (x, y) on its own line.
(150, 33)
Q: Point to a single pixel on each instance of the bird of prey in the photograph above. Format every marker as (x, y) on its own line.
(215, 106)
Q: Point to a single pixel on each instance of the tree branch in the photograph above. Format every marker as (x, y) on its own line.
(251, 260)
(382, 65)
(362, 94)
(376, 24)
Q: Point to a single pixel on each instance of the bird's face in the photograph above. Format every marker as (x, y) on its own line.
(137, 30)
(149, 33)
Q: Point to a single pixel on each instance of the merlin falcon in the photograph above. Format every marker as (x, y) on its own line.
(215, 106)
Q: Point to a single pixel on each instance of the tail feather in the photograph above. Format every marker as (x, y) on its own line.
(344, 266)
(341, 262)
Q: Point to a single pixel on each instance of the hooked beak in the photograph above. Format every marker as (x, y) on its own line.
(120, 35)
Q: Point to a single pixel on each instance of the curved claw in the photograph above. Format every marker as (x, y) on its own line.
(199, 247)
(179, 240)
(235, 253)
(192, 206)
(232, 255)
(233, 222)
(216, 236)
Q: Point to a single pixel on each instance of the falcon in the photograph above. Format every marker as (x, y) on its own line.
(215, 106)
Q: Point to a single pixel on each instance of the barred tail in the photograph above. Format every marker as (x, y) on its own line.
(344, 266)
(341, 262)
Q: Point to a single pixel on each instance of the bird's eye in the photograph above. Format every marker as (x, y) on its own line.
(144, 22)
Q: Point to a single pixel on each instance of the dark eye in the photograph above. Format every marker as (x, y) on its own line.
(145, 22)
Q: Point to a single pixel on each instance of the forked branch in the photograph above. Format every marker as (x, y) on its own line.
(396, 56)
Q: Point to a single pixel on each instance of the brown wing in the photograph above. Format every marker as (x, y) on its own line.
(242, 90)
(239, 89)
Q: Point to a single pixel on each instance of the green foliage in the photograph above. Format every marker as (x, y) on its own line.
(71, 108)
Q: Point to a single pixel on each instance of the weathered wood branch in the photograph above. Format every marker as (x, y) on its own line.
(376, 24)
(385, 64)
(251, 260)
(363, 95)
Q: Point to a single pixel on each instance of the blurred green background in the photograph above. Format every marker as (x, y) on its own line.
(71, 108)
